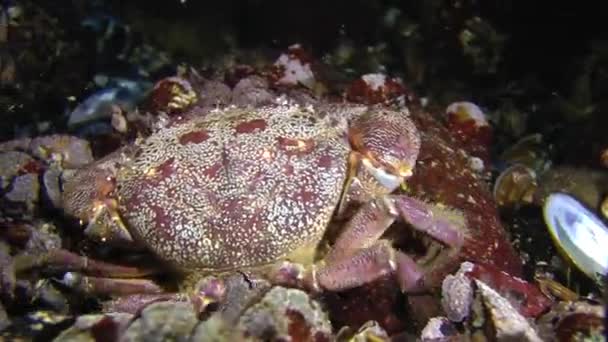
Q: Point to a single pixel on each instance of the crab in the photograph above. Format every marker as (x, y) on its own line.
(257, 189)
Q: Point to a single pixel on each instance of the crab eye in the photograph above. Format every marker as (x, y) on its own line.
(387, 180)
(578, 234)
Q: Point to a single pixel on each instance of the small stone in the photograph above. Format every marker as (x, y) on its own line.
(457, 297)
(52, 187)
(438, 329)
(294, 68)
(11, 163)
(476, 164)
(25, 190)
(508, 323)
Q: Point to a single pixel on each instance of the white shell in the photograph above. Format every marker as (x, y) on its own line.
(578, 233)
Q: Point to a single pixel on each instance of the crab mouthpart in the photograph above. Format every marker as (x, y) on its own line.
(387, 179)
(404, 170)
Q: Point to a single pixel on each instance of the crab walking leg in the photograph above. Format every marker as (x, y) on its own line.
(363, 230)
(373, 218)
(368, 265)
(133, 304)
(209, 290)
(67, 261)
(110, 286)
(421, 216)
(358, 257)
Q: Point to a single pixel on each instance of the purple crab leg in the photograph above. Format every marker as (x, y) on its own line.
(368, 265)
(422, 217)
(110, 286)
(65, 260)
(209, 290)
(133, 304)
(362, 231)
(358, 257)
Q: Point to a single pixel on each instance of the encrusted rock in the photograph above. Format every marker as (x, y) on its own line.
(214, 94)
(241, 291)
(163, 321)
(286, 315)
(87, 328)
(252, 91)
(573, 321)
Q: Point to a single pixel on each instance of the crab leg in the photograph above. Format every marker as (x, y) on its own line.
(372, 220)
(134, 303)
(359, 256)
(423, 218)
(65, 260)
(207, 291)
(363, 230)
(109, 286)
(368, 265)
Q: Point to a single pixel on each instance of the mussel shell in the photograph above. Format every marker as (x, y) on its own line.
(531, 151)
(579, 234)
(515, 185)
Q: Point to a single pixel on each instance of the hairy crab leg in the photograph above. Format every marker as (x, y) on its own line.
(369, 264)
(359, 256)
(423, 217)
(65, 260)
(363, 230)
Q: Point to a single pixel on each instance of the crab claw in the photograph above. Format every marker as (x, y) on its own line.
(86, 190)
(89, 196)
(387, 139)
